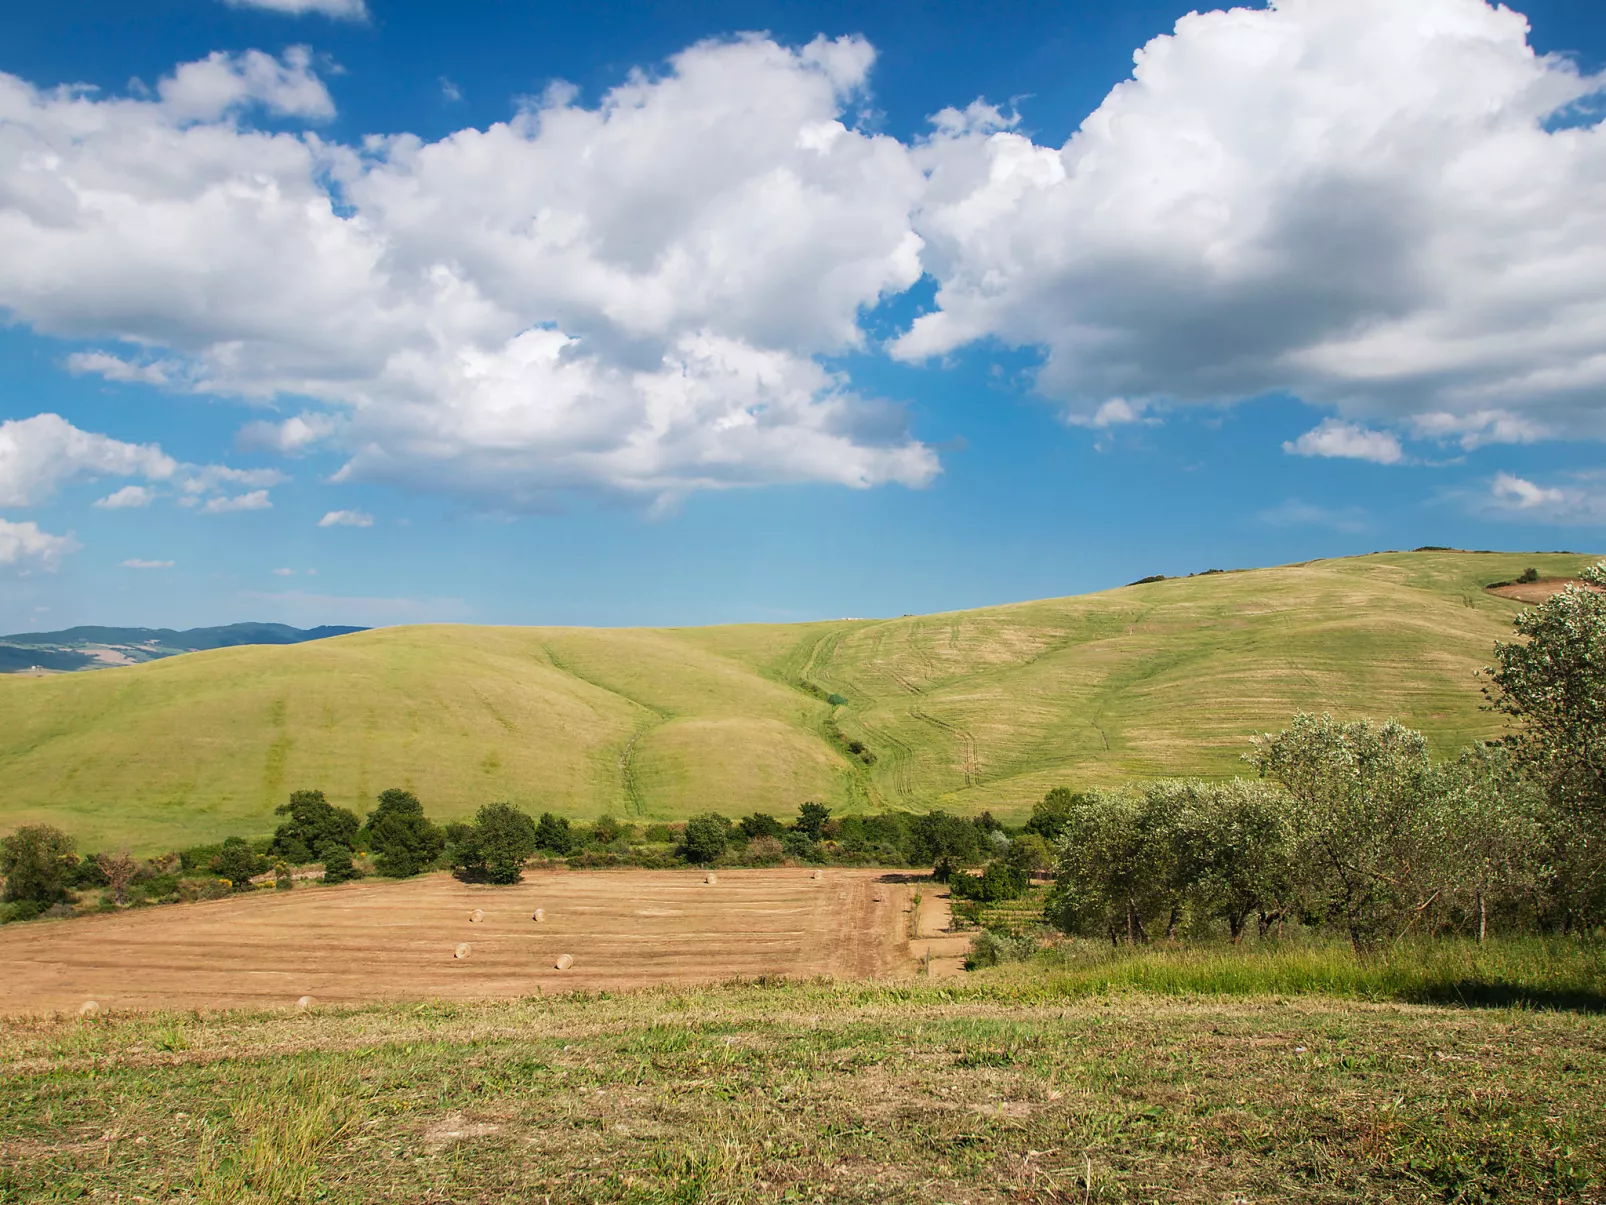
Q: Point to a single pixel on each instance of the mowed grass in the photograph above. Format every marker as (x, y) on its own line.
(1016, 1085)
(965, 711)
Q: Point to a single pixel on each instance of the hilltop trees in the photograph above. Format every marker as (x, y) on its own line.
(401, 836)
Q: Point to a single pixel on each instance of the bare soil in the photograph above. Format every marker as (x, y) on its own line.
(379, 941)
(1539, 591)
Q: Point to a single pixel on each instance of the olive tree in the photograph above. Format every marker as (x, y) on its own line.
(1115, 875)
(1232, 849)
(1554, 686)
(1364, 818)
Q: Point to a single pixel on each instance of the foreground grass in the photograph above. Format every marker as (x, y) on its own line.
(1027, 1085)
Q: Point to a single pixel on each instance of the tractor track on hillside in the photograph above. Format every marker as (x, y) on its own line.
(629, 785)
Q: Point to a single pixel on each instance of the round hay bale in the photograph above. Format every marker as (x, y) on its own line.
(461, 951)
(564, 962)
(305, 1004)
(818, 876)
(540, 914)
(476, 916)
(88, 1009)
(712, 879)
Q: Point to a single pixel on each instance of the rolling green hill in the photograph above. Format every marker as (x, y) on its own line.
(967, 710)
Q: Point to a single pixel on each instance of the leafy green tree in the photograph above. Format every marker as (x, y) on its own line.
(338, 866)
(606, 831)
(1500, 856)
(1554, 685)
(1030, 853)
(1366, 820)
(237, 862)
(554, 836)
(811, 818)
(1051, 813)
(38, 863)
(943, 842)
(1233, 848)
(314, 825)
(1116, 874)
(401, 836)
(504, 838)
(760, 824)
(706, 837)
(999, 881)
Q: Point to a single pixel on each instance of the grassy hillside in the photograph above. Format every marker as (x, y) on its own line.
(967, 710)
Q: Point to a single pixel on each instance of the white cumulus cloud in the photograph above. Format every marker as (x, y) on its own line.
(39, 454)
(136, 563)
(1349, 441)
(632, 296)
(24, 545)
(222, 505)
(1363, 202)
(344, 10)
(346, 518)
(127, 498)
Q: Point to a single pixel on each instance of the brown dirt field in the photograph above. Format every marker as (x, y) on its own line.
(1536, 592)
(394, 940)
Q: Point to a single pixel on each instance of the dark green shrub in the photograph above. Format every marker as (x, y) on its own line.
(761, 824)
(38, 863)
(1527, 577)
(238, 863)
(811, 818)
(553, 835)
(999, 881)
(401, 836)
(337, 864)
(1053, 812)
(706, 837)
(314, 825)
(496, 848)
(658, 834)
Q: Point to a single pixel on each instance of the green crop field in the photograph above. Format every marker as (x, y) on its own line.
(968, 710)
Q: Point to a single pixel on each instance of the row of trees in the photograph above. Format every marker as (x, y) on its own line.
(1356, 825)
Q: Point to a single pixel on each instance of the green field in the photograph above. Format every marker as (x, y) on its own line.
(968, 710)
(1150, 1080)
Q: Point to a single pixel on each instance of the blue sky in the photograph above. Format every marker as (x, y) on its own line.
(326, 311)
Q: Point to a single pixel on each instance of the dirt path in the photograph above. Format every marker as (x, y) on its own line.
(938, 950)
(395, 941)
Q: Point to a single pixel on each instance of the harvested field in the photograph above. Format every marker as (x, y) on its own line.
(1537, 592)
(389, 941)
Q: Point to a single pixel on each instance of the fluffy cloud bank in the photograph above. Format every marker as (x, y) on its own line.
(1395, 210)
(23, 545)
(631, 296)
(41, 454)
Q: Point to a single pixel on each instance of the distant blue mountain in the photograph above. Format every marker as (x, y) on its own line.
(67, 649)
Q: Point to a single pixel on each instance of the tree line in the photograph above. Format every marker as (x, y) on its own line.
(1356, 826)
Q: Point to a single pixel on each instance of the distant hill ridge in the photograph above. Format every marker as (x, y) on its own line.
(189, 640)
(968, 711)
